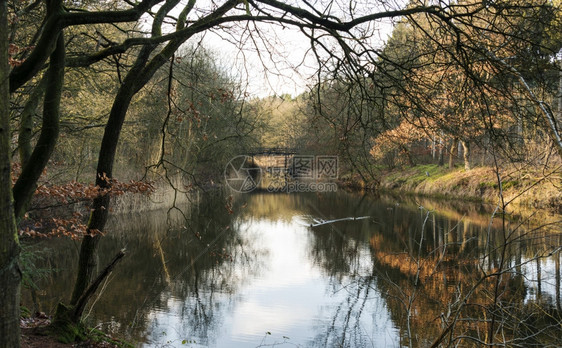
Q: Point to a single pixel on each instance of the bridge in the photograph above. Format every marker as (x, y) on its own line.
(272, 151)
(277, 168)
(273, 158)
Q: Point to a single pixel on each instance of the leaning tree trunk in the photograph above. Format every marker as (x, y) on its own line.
(67, 318)
(10, 275)
(66, 324)
(140, 73)
(98, 218)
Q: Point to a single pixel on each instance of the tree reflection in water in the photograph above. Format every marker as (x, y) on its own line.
(445, 285)
(413, 273)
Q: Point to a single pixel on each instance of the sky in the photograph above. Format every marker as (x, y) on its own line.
(282, 66)
(283, 62)
(270, 59)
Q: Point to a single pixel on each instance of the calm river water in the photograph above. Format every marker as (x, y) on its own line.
(270, 270)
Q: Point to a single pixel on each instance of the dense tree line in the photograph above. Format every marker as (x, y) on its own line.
(486, 86)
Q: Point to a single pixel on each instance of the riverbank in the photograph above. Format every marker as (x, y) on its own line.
(519, 187)
(33, 335)
(33, 338)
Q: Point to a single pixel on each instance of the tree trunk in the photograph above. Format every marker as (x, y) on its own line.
(25, 133)
(557, 280)
(559, 96)
(87, 261)
(141, 72)
(26, 184)
(67, 318)
(136, 78)
(441, 152)
(556, 133)
(466, 154)
(433, 148)
(409, 157)
(520, 138)
(10, 275)
(453, 153)
(485, 148)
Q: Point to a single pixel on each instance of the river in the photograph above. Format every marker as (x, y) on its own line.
(263, 269)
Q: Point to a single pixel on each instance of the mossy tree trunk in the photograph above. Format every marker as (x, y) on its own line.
(13, 201)
(10, 275)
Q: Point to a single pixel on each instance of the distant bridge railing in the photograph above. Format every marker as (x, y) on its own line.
(272, 151)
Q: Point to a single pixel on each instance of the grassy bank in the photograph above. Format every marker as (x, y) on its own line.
(519, 187)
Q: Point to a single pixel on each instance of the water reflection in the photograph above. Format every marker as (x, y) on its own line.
(251, 271)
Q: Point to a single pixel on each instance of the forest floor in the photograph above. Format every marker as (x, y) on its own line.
(33, 337)
(520, 187)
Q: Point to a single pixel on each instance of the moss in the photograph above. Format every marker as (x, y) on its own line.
(509, 184)
(478, 184)
(63, 328)
(412, 177)
(463, 182)
(494, 185)
(66, 331)
(488, 185)
(25, 312)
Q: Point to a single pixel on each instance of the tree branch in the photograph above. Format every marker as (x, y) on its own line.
(81, 304)
(57, 19)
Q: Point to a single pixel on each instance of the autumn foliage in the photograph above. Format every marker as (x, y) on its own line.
(54, 195)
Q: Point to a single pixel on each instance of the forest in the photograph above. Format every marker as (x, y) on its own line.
(109, 103)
